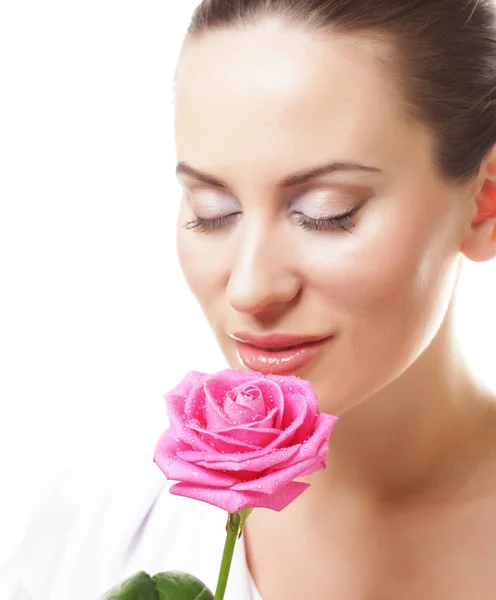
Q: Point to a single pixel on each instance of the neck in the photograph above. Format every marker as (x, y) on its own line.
(422, 434)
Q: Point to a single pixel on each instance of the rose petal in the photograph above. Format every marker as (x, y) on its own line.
(250, 396)
(257, 437)
(295, 406)
(214, 414)
(222, 443)
(177, 399)
(176, 469)
(325, 425)
(273, 482)
(218, 385)
(186, 401)
(248, 433)
(174, 405)
(227, 383)
(246, 459)
(192, 438)
(288, 434)
(266, 423)
(250, 461)
(311, 457)
(234, 501)
(316, 446)
(272, 396)
(239, 414)
(194, 406)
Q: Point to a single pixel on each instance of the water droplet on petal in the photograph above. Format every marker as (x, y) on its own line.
(259, 486)
(248, 462)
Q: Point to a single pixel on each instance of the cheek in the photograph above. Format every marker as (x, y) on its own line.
(387, 286)
(364, 271)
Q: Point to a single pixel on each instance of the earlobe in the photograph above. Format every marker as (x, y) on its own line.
(480, 244)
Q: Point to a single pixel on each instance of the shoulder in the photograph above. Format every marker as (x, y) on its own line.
(83, 520)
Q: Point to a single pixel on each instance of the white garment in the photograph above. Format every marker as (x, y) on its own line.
(103, 523)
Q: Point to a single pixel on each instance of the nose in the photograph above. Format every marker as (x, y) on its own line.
(262, 277)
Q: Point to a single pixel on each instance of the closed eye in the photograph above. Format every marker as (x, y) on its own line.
(342, 221)
(209, 225)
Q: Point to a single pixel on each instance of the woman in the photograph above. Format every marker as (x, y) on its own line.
(338, 164)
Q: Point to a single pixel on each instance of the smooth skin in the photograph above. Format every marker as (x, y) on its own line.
(405, 508)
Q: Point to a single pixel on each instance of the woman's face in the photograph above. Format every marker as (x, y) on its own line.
(257, 111)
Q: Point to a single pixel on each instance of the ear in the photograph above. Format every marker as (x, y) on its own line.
(479, 242)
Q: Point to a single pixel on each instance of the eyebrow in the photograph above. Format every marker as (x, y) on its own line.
(289, 181)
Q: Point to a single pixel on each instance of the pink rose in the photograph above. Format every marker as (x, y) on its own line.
(238, 439)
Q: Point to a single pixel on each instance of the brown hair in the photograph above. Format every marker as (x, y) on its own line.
(442, 55)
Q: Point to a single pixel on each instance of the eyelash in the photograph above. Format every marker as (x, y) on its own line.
(208, 225)
(323, 224)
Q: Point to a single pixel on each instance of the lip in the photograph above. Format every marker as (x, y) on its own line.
(276, 340)
(253, 352)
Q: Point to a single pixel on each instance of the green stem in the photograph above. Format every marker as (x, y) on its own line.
(233, 525)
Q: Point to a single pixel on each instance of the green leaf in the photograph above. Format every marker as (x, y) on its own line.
(138, 587)
(175, 585)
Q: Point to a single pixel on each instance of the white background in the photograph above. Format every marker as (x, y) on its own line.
(96, 322)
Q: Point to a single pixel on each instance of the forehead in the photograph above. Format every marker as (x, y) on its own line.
(270, 97)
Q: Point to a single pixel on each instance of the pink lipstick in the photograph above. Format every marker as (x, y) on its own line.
(278, 354)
